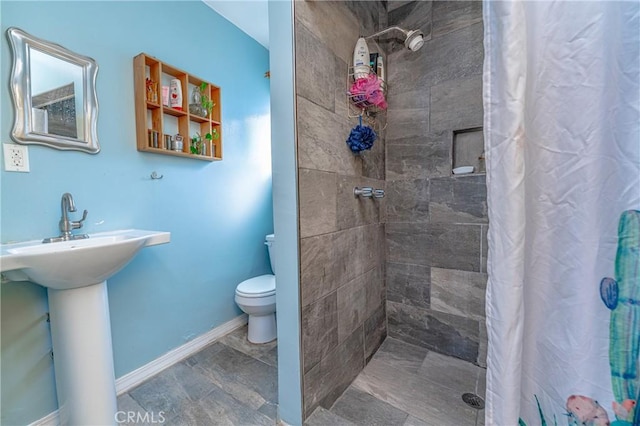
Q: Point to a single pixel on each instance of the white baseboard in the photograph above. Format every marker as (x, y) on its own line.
(136, 377)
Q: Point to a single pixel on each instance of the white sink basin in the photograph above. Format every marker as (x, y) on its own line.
(78, 263)
(75, 274)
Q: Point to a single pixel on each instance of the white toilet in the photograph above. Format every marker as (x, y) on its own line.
(257, 298)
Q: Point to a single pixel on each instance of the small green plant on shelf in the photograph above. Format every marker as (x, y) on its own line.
(198, 146)
(205, 101)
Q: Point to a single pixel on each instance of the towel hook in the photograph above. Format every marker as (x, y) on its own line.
(154, 175)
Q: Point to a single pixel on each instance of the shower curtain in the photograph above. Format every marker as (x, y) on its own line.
(562, 141)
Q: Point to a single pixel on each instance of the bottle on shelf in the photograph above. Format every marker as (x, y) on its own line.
(178, 144)
(165, 96)
(380, 68)
(175, 94)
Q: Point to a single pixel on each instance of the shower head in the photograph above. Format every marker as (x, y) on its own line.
(413, 40)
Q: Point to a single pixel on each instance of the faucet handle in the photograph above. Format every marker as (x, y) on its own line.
(77, 224)
(366, 191)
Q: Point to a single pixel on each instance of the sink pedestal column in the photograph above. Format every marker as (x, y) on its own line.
(83, 355)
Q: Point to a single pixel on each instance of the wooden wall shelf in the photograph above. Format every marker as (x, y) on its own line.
(152, 117)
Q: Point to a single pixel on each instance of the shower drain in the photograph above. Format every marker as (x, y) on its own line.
(473, 400)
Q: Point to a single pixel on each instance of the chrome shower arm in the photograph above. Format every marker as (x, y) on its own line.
(413, 39)
(387, 30)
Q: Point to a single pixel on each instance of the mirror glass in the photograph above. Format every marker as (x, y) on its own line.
(54, 95)
(56, 103)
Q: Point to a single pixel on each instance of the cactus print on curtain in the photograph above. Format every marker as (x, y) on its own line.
(622, 296)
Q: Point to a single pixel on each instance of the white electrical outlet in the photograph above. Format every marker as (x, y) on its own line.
(16, 158)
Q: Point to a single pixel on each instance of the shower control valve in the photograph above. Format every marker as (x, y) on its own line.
(366, 192)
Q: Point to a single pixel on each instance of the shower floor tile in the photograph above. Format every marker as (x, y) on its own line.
(363, 408)
(406, 385)
(323, 417)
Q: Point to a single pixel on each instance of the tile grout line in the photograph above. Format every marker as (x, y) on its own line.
(481, 247)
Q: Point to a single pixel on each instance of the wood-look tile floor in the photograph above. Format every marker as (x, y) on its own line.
(232, 382)
(406, 385)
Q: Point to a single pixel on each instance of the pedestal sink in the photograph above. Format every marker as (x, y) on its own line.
(75, 274)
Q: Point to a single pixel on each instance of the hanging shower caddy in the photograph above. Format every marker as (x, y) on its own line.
(359, 107)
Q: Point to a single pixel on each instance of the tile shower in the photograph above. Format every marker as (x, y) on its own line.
(412, 265)
(342, 237)
(436, 222)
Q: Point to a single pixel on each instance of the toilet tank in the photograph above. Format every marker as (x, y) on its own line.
(269, 239)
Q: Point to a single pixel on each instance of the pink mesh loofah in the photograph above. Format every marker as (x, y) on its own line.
(368, 90)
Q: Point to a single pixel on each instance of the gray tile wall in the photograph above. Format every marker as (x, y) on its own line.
(429, 260)
(342, 237)
(436, 223)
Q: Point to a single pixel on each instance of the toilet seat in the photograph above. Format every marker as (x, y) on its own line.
(262, 286)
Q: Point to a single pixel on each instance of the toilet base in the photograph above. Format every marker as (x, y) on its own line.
(262, 328)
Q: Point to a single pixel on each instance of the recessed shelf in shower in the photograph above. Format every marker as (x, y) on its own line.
(468, 149)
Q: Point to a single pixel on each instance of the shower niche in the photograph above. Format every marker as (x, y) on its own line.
(468, 150)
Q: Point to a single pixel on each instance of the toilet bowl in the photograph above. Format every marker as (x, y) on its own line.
(257, 298)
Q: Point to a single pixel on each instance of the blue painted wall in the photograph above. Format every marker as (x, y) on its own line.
(217, 213)
(285, 206)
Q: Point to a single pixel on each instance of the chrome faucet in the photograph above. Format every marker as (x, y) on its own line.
(366, 192)
(66, 225)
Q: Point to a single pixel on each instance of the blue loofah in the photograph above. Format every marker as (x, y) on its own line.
(361, 138)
